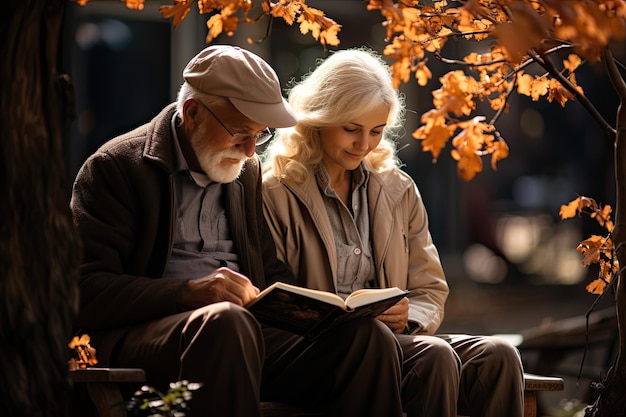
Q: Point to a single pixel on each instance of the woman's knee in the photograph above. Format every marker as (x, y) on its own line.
(501, 351)
(441, 354)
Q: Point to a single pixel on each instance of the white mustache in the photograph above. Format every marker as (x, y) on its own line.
(233, 154)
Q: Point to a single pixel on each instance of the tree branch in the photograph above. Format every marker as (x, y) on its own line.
(614, 75)
(544, 61)
(619, 235)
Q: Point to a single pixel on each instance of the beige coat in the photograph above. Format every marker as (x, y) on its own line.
(404, 253)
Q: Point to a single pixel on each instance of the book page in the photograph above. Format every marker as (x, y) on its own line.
(325, 296)
(369, 295)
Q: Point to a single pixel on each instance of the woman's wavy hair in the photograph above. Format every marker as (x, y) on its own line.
(343, 87)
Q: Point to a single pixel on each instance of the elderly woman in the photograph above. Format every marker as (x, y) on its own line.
(344, 217)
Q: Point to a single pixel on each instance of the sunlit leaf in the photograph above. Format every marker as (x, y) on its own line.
(596, 286)
(572, 62)
(287, 11)
(570, 209)
(178, 12)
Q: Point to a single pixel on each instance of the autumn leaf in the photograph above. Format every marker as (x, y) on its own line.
(135, 4)
(81, 340)
(434, 140)
(469, 163)
(500, 151)
(559, 93)
(596, 286)
(456, 94)
(215, 25)
(524, 83)
(539, 87)
(569, 210)
(423, 74)
(178, 12)
(329, 36)
(572, 62)
(287, 11)
(603, 217)
(591, 248)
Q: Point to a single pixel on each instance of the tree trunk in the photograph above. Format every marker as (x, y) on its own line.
(38, 245)
(612, 399)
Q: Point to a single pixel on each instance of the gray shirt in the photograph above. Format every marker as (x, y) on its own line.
(351, 226)
(202, 239)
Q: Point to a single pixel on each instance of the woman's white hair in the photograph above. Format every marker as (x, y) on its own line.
(343, 87)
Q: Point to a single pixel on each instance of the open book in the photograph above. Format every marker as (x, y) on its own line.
(310, 312)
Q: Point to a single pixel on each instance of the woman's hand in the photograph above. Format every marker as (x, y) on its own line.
(396, 317)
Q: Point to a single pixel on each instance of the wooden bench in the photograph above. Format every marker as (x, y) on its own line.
(103, 389)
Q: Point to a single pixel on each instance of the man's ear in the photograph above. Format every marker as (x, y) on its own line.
(190, 112)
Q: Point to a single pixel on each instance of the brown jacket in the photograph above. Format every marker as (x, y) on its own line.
(124, 208)
(404, 254)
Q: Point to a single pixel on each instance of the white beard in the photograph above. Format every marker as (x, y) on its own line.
(212, 162)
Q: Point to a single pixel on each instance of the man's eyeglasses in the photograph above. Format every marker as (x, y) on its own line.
(259, 139)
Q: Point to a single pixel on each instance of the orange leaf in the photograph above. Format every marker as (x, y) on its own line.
(591, 248)
(288, 12)
(423, 74)
(524, 83)
(178, 12)
(570, 210)
(559, 93)
(539, 87)
(572, 62)
(134, 4)
(215, 25)
(501, 151)
(435, 140)
(596, 287)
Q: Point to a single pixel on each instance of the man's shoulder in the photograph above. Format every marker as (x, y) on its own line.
(133, 142)
(126, 142)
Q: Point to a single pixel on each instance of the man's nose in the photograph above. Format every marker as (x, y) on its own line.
(248, 147)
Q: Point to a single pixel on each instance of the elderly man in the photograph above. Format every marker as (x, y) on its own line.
(175, 244)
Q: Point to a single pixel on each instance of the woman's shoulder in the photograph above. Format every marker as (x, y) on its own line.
(394, 179)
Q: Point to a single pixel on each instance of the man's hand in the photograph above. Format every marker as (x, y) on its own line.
(223, 284)
(396, 317)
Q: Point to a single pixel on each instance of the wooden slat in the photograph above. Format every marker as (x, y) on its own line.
(108, 375)
(100, 379)
(534, 382)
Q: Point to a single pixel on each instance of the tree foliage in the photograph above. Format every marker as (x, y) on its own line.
(558, 37)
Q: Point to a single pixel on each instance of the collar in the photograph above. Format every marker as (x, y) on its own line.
(360, 177)
(180, 163)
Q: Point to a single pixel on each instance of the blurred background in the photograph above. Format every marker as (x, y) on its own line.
(511, 262)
